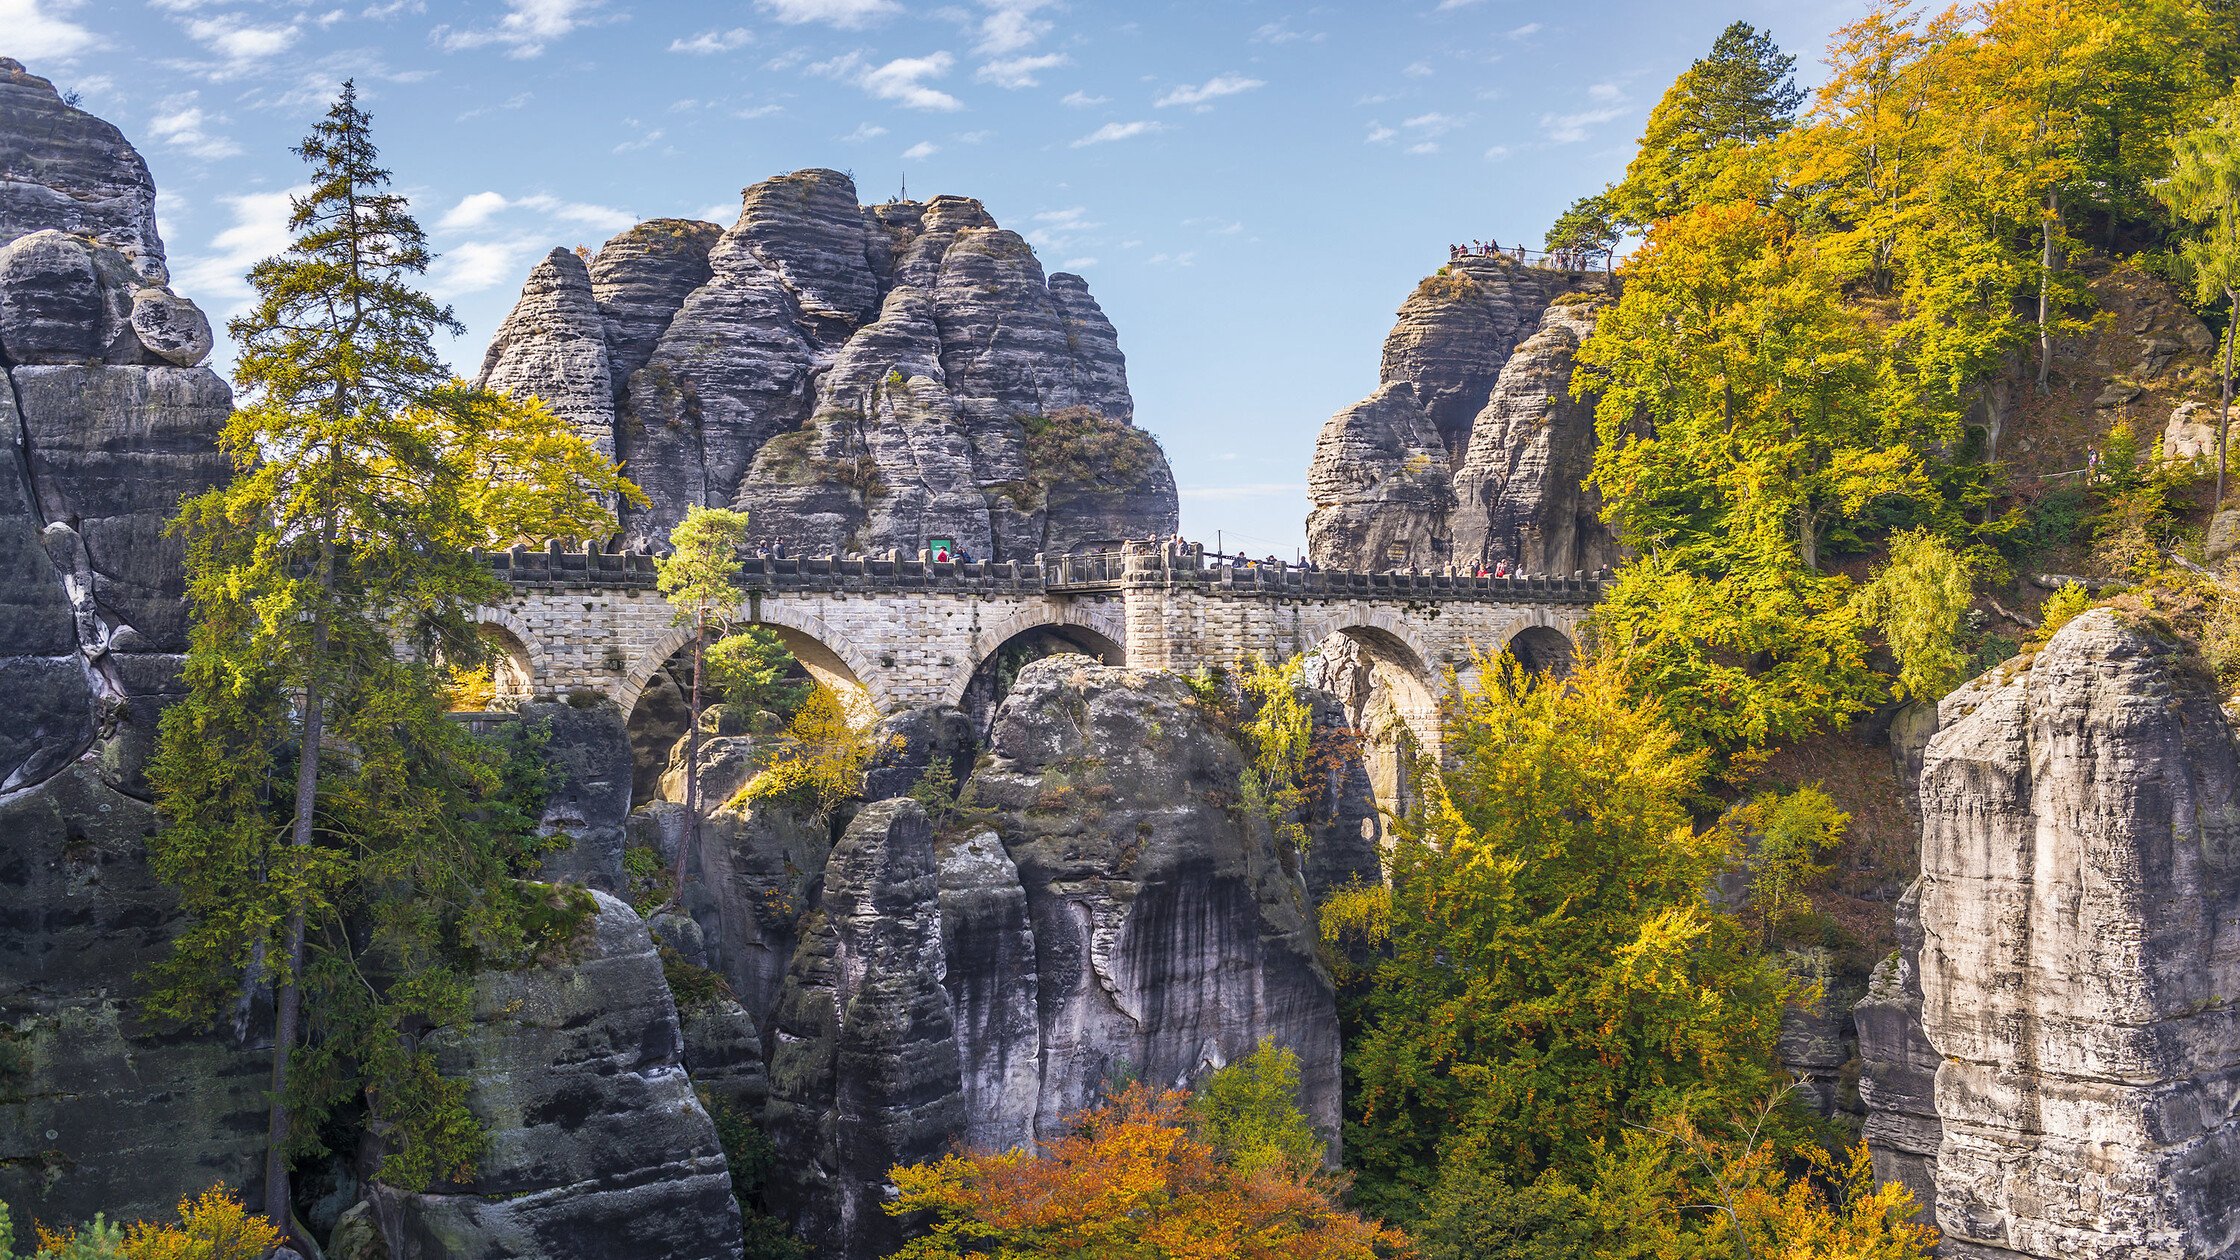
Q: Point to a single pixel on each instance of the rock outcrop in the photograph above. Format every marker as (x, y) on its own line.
(856, 378)
(1471, 450)
(598, 1146)
(2080, 917)
(106, 423)
(1898, 1067)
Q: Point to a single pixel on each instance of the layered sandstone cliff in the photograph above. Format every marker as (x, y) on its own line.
(2080, 955)
(1472, 449)
(856, 378)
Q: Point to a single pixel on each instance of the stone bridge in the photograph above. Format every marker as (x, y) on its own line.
(896, 633)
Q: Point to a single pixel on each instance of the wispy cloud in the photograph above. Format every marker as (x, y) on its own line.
(1381, 134)
(181, 124)
(37, 30)
(477, 209)
(1011, 25)
(709, 43)
(846, 14)
(214, 274)
(920, 151)
(1020, 72)
(479, 265)
(640, 143)
(1117, 131)
(1417, 70)
(1218, 86)
(1572, 128)
(1078, 99)
(526, 29)
(863, 132)
(1283, 32)
(902, 80)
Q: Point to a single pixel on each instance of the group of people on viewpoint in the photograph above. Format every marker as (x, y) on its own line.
(1560, 259)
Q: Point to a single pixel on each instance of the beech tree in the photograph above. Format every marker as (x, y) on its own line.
(2204, 186)
(331, 833)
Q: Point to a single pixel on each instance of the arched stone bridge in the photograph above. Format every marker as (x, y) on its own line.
(901, 633)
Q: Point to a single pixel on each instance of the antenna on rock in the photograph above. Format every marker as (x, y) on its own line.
(904, 195)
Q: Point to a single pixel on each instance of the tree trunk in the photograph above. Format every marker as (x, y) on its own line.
(288, 999)
(2046, 260)
(690, 858)
(2224, 405)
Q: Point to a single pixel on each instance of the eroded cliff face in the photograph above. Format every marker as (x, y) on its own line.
(2080, 919)
(856, 378)
(106, 422)
(1471, 450)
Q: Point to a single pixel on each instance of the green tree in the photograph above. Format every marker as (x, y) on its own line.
(1249, 1113)
(331, 832)
(700, 579)
(1551, 964)
(754, 671)
(819, 766)
(1784, 834)
(1918, 600)
(1742, 93)
(1589, 228)
(2204, 187)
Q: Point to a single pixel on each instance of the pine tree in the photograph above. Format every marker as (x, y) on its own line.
(1741, 94)
(700, 579)
(330, 832)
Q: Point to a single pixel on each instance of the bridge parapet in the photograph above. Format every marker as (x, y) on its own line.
(1085, 574)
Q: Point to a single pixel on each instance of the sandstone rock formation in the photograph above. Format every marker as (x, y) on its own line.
(855, 378)
(1898, 1067)
(1472, 449)
(106, 423)
(598, 1146)
(2080, 917)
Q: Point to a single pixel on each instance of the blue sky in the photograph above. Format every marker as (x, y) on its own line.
(1250, 186)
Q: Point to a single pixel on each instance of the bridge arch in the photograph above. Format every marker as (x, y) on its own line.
(1541, 649)
(1097, 630)
(1403, 663)
(828, 656)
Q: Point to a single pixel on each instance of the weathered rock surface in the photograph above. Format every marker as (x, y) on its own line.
(588, 752)
(1471, 449)
(2080, 912)
(865, 1072)
(1169, 934)
(856, 378)
(598, 1146)
(1898, 1067)
(65, 169)
(104, 426)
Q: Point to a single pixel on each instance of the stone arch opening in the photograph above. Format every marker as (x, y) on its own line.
(1390, 700)
(659, 700)
(990, 680)
(1543, 650)
(512, 672)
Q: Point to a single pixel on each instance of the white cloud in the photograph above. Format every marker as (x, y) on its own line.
(1020, 72)
(1497, 152)
(863, 132)
(1572, 128)
(646, 141)
(1082, 100)
(1011, 25)
(1072, 218)
(753, 112)
(215, 275)
(1605, 92)
(1282, 32)
(1425, 148)
(1381, 134)
(1434, 123)
(1218, 86)
(479, 265)
(38, 30)
(244, 46)
(847, 14)
(921, 150)
(525, 30)
(1078, 264)
(476, 209)
(182, 125)
(1117, 131)
(721, 212)
(1445, 5)
(1527, 31)
(902, 80)
(707, 43)
(1417, 70)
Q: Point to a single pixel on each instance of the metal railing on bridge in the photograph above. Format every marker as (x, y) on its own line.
(1143, 566)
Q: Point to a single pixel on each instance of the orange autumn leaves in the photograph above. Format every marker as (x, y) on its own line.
(1131, 1179)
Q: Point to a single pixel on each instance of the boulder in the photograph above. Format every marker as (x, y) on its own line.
(598, 1146)
(2191, 433)
(2080, 908)
(170, 327)
(906, 745)
(2224, 536)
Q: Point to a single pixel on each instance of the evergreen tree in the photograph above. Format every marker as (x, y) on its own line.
(700, 579)
(1589, 228)
(330, 832)
(1741, 94)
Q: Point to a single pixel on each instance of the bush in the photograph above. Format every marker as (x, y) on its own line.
(820, 763)
(1077, 445)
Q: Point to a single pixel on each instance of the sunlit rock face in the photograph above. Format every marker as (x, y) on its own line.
(856, 378)
(1472, 449)
(2080, 952)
